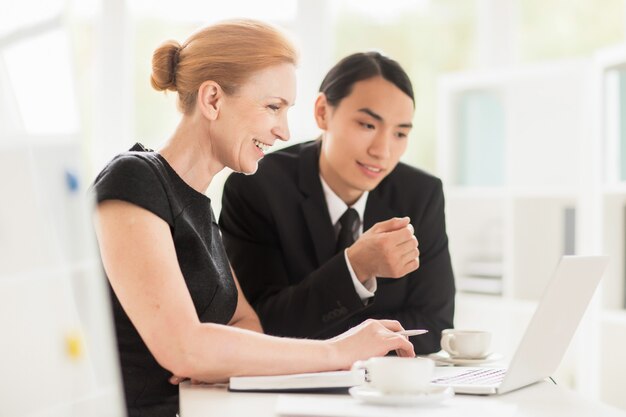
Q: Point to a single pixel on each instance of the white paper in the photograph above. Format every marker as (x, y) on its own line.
(297, 405)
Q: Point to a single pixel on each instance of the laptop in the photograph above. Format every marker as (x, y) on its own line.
(547, 336)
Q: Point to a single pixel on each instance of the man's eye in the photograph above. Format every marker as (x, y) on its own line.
(274, 107)
(367, 125)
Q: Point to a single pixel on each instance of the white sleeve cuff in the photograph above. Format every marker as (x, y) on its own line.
(364, 290)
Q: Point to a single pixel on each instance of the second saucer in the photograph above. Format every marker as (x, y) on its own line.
(444, 358)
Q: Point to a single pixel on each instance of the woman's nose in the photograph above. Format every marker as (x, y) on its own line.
(282, 132)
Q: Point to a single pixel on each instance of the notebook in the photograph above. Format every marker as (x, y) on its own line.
(338, 381)
(547, 336)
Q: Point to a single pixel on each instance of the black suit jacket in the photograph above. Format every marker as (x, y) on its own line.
(280, 240)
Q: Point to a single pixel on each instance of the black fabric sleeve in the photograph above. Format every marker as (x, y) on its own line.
(323, 298)
(133, 179)
(429, 301)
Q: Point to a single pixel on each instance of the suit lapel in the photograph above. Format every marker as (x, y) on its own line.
(314, 205)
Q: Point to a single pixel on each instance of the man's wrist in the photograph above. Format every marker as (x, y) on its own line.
(364, 289)
(361, 274)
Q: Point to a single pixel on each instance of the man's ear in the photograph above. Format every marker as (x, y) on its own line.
(322, 111)
(210, 99)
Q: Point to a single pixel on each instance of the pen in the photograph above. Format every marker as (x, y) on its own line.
(413, 332)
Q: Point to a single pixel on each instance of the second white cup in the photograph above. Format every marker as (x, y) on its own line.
(470, 344)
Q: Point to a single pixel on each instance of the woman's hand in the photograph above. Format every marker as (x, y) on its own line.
(370, 338)
(175, 380)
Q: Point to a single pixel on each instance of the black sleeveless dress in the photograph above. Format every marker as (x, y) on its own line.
(144, 178)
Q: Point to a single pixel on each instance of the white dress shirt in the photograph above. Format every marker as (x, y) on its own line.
(336, 208)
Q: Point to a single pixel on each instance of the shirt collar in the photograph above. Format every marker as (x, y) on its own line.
(336, 206)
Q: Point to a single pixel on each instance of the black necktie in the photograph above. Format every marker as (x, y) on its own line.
(348, 222)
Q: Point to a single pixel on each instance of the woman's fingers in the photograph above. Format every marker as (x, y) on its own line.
(175, 380)
(402, 346)
(393, 325)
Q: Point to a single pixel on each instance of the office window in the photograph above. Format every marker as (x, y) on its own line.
(19, 16)
(428, 38)
(35, 70)
(195, 11)
(563, 28)
(40, 72)
(153, 22)
(155, 113)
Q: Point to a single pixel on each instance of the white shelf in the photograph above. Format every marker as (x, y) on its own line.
(613, 244)
(455, 191)
(528, 218)
(19, 141)
(479, 285)
(543, 115)
(484, 268)
(614, 189)
(562, 190)
(473, 192)
(612, 366)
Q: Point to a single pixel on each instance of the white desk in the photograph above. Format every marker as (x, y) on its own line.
(541, 400)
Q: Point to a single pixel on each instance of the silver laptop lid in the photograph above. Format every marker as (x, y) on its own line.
(552, 327)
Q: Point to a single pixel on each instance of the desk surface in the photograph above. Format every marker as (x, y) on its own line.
(542, 399)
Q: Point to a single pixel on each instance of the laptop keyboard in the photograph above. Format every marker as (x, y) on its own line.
(487, 376)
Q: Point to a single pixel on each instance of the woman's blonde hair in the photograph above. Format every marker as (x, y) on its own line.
(227, 53)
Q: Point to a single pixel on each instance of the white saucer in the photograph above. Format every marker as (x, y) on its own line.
(369, 395)
(443, 357)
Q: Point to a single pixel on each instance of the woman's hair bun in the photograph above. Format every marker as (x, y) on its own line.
(164, 63)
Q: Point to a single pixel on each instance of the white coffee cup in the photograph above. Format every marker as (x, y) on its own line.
(469, 344)
(391, 374)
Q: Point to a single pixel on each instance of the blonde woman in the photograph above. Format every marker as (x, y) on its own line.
(179, 311)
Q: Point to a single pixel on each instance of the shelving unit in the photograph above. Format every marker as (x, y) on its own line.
(534, 166)
(477, 246)
(611, 174)
(511, 210)
(609, 191)
(614, 208)
(611, 361)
